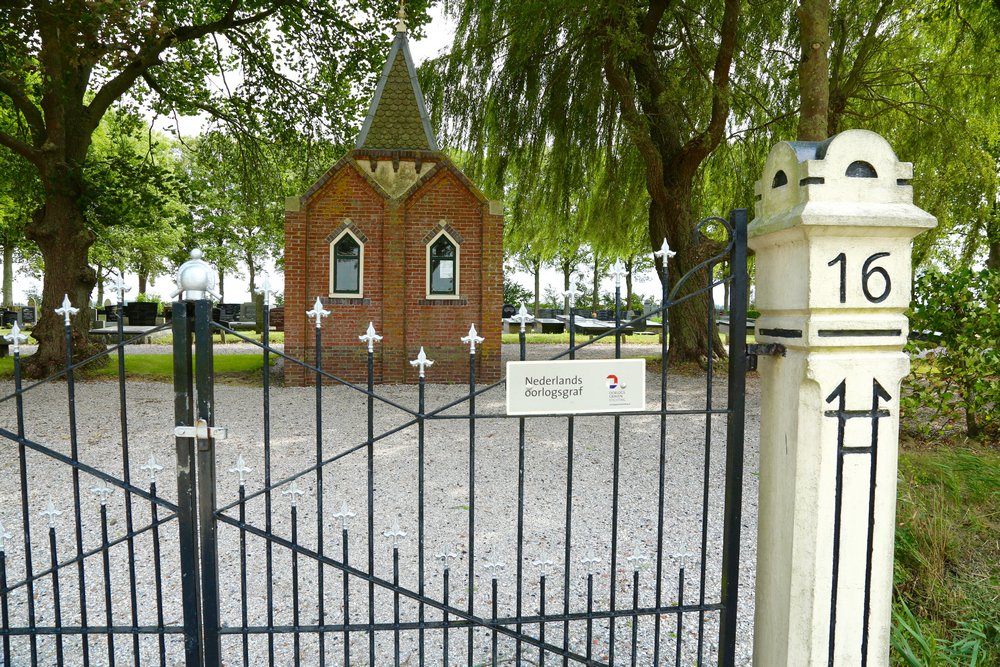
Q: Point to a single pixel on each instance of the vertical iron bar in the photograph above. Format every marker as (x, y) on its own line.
(347, 605)
(5, 608)
(472, 495)
(635, 615)
(590, 615)
(541, 611)
(321, 602)
(420, 514)
(520, 514)
(158, 574)
(680, 614)
(837, 518)
(269, 546)
(371, 505)
(494, 611)
(706, 468)
(244, 616)
(108, 609)
(736, 403)
(56, 603)
(661, 480)
(75, 455)
(569, 500)
(126, 477)
(296, 642)
(395, 601)
(872, 481)
(187, 495)
(444, 614)
(25, 513)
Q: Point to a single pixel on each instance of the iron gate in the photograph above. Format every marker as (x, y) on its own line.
(262, 572)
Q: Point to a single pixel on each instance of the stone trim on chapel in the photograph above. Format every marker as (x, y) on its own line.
(394, 234)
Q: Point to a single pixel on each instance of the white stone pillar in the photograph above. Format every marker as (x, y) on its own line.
(832, 235)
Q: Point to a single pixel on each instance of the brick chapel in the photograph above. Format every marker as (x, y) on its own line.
(394, 234)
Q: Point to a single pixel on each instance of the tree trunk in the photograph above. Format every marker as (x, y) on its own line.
(597, 285)
(814, 69)
(8, 275)
(143, 280)
(993, 238)
(537, 271)
(222, 289)
(629, 267)
(567, 270)
(60, 231)
(100, 286)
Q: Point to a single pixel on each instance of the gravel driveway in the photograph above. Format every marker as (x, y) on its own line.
(293, 443)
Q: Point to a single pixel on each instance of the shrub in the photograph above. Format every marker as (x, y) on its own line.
(955, 322)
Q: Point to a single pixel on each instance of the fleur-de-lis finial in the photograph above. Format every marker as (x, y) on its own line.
(4, 536)
(421, 362)
(15, 338)
(103, 491)
(401, 15)
(67, 310)
(345, 515)
(472, 339)
(120, 288)
(293, 491)
(370, 337)
(542, 563)
(240, 469)
(318, 312)
(522, 317)
(152, 468)
(265, 289)
(395, 533)
(665, 253)
(618, 272)
(636, 558)
(571, 292)
(447, 556)
(494, 568)
(589, 561)
(682, 558)
(51, 512)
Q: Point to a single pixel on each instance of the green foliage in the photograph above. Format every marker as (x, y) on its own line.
(514, 294)
(947, 558)
(959, 385)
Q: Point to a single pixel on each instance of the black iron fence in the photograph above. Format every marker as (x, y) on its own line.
(463, 535)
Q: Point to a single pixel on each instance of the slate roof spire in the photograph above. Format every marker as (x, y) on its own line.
(397, 118)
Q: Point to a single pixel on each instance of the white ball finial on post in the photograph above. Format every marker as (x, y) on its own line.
(196, 279)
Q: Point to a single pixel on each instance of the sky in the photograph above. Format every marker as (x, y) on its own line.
(438, 37)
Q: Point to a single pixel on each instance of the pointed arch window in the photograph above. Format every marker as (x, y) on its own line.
(347, 265)
(442, 267)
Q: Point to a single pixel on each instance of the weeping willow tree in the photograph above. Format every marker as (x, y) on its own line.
(563, 90)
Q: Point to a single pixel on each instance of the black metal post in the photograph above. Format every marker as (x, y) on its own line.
(269, 549)
(734, 441)
(187, 495)
(320, 585)
(661, 479)
(205, 381)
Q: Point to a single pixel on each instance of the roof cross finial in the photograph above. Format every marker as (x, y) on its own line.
(401, 23)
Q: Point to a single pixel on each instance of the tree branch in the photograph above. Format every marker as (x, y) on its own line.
(13, 90)
(30, 153)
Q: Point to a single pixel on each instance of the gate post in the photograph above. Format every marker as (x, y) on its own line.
(832, 236)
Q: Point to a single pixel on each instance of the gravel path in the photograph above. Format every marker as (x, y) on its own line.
(293, 443)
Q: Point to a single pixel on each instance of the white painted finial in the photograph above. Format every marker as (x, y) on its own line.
(618, 272)
(4, 536)
(240, 469)
(472, 339)
(589, 561)
(494, 568)
(542, 563)
(421, 362)
(571, 292)
(120, 288)
(664, 252)
(51, 512)
(196, 279)
(152, 468)
(293, 491)
(318, 312)
(522, 317)
(67, 310)
(345, 515)
(103, 491)
(15, 338)
(636, 558)
(265, 289)
(395, 533)
(401, 15)
(370, 337)
(446, 556)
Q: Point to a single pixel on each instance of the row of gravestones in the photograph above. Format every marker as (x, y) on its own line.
(144, 314)
(23, 315)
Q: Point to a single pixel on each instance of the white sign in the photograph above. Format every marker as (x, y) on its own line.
(576, 387)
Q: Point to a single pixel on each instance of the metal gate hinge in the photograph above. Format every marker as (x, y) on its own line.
(202, 431)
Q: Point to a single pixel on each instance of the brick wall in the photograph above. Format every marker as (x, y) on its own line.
(394, 297)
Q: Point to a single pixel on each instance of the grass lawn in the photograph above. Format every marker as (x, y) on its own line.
(947, 566)
(229, 368)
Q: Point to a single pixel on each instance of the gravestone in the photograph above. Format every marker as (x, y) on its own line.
(28, 315)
